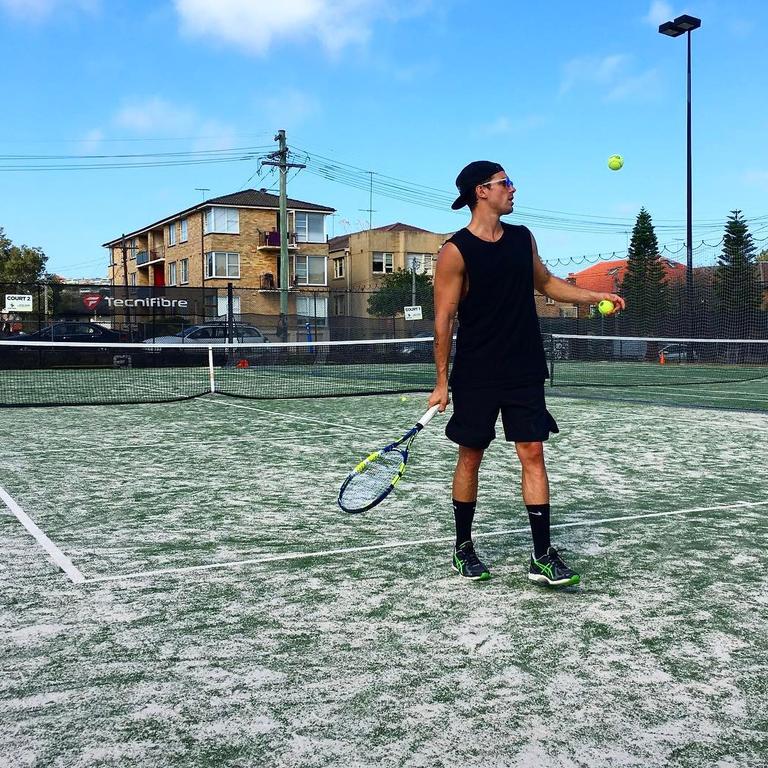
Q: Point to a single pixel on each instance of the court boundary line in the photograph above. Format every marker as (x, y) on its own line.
(58, 557)
(403, 544)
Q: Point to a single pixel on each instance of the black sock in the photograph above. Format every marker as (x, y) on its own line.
(463, 514)
(538, 517)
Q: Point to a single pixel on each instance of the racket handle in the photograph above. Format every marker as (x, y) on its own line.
(427, 417)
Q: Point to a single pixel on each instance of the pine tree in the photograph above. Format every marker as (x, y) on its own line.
(737, 282)
(644, 285)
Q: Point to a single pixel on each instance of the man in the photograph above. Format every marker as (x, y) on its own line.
(486, 273)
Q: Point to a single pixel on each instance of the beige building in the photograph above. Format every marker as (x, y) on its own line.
(359, 261)
(233, 238)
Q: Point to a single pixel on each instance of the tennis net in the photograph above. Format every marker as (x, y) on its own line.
(60, 373)
(613, 361)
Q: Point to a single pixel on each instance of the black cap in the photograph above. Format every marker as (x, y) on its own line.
(471, 175)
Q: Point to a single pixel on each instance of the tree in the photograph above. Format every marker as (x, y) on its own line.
(20, 263)
(395, 293)
(737, 282)
(763, 255)
(644, 285)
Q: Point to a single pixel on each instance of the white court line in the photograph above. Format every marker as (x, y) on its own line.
(58, 557)
(401, 544)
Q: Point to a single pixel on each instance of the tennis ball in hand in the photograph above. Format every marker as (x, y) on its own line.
(615, 162)
(605, 307)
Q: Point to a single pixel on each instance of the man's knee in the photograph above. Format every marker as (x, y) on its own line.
(531, 454)
(470, 458)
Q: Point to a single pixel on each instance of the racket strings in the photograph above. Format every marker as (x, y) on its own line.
(365, 487)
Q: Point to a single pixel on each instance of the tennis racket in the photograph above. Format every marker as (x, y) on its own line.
(376, 476)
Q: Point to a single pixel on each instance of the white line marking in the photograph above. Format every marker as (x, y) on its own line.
(401, 544)
(58, 557)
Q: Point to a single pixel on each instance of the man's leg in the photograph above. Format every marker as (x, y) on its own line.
(465, 561)
(546, 565)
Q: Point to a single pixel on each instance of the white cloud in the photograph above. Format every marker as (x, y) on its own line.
(612, 75)
(37, 10)
(159, 118)
(504, 126)
(254, 25)
(592, 70)
(756, 178)
(658, 13)
(289, 109)
(641, 87)
(91, 142)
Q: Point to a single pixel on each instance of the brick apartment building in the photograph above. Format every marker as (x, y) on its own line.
(233, 238)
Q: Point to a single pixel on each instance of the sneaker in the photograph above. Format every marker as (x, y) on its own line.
(468, 564)
(551, 571)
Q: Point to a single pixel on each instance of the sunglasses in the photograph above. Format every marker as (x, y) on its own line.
(506, 181)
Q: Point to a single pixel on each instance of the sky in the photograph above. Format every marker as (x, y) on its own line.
(189, 94)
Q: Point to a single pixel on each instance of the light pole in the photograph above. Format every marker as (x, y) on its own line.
(681, 25)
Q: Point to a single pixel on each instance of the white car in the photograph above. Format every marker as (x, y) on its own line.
(213, 334)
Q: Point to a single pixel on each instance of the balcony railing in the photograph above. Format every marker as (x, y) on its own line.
(270, 240)
(147, 257)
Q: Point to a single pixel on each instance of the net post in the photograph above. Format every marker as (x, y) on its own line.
(210, 370)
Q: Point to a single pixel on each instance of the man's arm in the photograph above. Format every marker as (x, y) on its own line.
(448, 284)
(561, 290)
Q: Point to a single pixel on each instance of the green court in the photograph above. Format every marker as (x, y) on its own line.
(212, 605)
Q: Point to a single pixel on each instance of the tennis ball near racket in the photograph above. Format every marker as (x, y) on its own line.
(615, 162)
(605, 307)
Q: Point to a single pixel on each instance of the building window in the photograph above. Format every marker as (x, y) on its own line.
(422, 262)
(310, 270)
(338, 267)
(132, 279)
(184, 233)
(172, 273)
(222, 304)
(312, 308)
(340, 305)
(383, 263)
(222, 264)
(184, 271)
(172, 233)
(222, 220)
(310, 227)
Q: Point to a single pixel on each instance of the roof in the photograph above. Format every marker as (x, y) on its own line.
(607, 276)
(342, 241)
(246, 198)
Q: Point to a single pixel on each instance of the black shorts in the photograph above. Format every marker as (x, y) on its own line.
(523, 410)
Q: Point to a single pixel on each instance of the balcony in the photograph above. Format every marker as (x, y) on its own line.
(270, 241)
(145, 258)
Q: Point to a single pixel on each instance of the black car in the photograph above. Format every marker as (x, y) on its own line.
(75, 331)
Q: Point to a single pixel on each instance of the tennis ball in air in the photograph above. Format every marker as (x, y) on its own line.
(605, 307)
(403, 399)
(615, 162)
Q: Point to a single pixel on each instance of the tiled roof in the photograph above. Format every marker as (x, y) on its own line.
(340, 242)
(260, 198)
(247, 198)
(607, 276)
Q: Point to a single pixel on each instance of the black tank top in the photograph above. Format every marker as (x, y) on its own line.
(498, 341)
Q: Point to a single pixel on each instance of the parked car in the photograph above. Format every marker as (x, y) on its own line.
(75, 331)
(418, 350)
(678, 353)
(213, 333)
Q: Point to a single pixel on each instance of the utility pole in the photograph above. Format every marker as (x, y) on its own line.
(280, 159)
(125, 283)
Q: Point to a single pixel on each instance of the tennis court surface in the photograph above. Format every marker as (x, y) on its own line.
(210, 605)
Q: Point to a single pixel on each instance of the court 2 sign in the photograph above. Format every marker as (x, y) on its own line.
(18, 302)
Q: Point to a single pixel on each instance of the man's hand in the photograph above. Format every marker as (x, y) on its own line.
(614, 298)
(439, 397)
